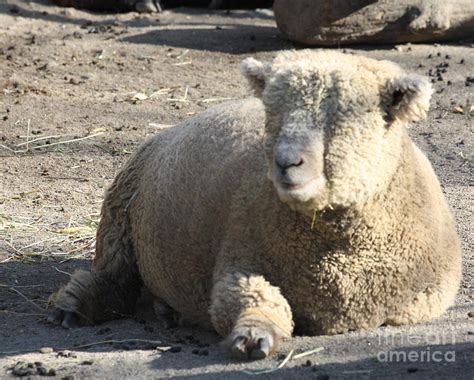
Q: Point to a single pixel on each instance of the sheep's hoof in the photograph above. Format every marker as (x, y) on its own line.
(66, 319)
(251, 343)
(148, 6)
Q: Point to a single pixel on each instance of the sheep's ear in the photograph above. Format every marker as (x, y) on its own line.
(408, 97)
(255, 72)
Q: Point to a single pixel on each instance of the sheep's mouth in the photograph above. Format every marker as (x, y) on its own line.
(301, 191)
(292, 186)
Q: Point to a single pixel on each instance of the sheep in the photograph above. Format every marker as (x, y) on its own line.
(305, 209)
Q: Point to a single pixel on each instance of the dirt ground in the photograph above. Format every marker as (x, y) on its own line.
(80, 91)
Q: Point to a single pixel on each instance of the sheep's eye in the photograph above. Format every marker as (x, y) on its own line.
(397, 98)
(388, 118)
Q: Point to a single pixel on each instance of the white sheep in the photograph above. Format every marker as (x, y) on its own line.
(352, 230)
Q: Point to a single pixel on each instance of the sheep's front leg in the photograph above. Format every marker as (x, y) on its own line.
(251, 313)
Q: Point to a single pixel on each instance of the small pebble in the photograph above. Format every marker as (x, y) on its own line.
(21, 371)
(430, 55)
(45, 350)
(449, 83)
(439, 54)
(448, 56)
(42, 371)
(87, 362)
(462, 61)
(66, 354)
(68, 377)
(52, 372)
(307, 363)
(470, 314)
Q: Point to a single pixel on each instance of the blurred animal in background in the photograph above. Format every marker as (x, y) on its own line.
(152, 6)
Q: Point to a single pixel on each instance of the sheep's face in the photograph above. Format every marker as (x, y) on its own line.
(334, 129)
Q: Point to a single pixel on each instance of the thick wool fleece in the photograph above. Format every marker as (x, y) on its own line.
(195, 215)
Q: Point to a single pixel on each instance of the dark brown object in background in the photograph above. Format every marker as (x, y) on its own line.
(98, 5)
(155, 5)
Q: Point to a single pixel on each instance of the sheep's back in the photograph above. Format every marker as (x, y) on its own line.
(189, 175)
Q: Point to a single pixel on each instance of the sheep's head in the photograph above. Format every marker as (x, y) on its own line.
(335, 124)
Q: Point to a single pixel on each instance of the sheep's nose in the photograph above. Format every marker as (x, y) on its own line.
(286, 157)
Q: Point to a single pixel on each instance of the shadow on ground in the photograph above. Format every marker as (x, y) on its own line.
(237, 34)
(406, 362)
(233, 39)
(383, 353)
(24, 292)
(139, 20)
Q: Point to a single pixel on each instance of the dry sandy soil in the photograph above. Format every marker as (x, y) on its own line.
(80, 91)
